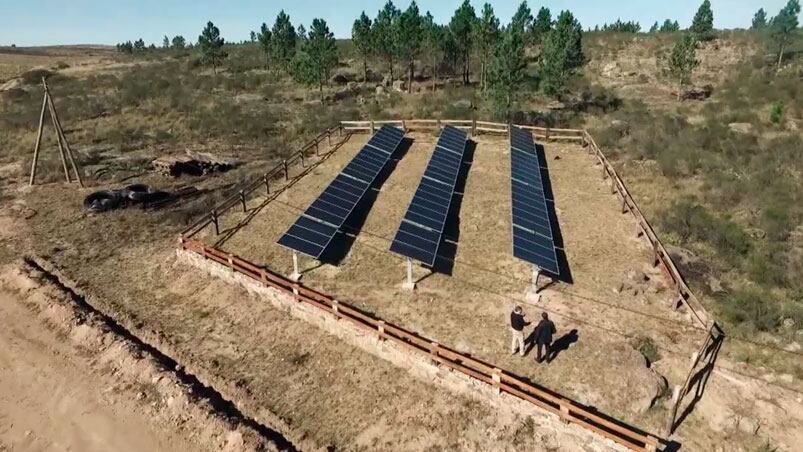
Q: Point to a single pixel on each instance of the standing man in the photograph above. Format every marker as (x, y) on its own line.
(543, 337)
(517, 325)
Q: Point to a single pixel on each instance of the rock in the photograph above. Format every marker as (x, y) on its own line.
(714, 284)
(380, 90)
(788, 323)
(697, 93)
(463, 103)
(386, 80)
(793, 347)
(748, 425)
(399, 85)
(341, 78)
(623, 127)
(791, 125)
(373, 77)
(741, 127)
(140, 395)
(610, 69)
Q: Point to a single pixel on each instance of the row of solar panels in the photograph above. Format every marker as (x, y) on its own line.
(421, 230)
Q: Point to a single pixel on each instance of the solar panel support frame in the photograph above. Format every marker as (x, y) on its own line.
(409, 284)
(296, 275)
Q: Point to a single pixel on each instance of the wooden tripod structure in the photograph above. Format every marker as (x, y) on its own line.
(64, 147)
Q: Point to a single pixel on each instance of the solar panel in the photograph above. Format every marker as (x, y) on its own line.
(421, 229)
(532, 228)
(316, 227)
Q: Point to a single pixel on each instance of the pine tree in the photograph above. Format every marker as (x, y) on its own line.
(461, 27)
(654, 28)
(318, 56)
(284, 40)
(301, 35)
(211, 45)
(409, 39)
(384, 36)
(562, 53)
(166, 42)
(522, 20)
(487, 37)
(361, 37)
(178, 42)
(264, 37)
(253, 35)
(783, 27)
(683, 60)
(507, 71)
(432, 44)
(669, 27)
(542, 24)
(139, 45)
(703, 24)
(759, 20)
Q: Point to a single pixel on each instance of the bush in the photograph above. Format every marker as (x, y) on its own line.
(692, 222)
(646, 347)
(776, 112)
(752, 308)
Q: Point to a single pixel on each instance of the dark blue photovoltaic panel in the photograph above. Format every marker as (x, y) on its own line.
(314, 229)
(532, 227)
(421, 229)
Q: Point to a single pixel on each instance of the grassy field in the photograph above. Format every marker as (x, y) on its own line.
(726, 197)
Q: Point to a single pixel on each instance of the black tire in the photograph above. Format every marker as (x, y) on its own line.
(134, 192)
(101, 201)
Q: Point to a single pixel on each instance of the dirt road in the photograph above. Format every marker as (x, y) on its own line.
(50, 399)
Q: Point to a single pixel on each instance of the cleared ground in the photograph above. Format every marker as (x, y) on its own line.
(469, 308)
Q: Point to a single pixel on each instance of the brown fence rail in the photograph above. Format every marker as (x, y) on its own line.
(282, 169)
(472, 125)
(568, 410)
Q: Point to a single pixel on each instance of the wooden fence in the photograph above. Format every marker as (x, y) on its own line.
(568, 410)
(565, 408)
(240, 196)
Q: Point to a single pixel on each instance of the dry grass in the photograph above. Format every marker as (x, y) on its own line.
(468, 309)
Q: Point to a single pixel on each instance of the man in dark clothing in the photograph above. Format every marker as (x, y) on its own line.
(517, 325)
(543, 337)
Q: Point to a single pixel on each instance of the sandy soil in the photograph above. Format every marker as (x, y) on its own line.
(51, 399)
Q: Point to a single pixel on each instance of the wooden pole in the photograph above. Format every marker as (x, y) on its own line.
(60, 131)
(58, 136)
(38, 140)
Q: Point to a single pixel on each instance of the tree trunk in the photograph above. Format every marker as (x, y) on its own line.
(410, 80)
(364, 70)
(390, 62)
(320, 90)
(780, 58)
(434, 74)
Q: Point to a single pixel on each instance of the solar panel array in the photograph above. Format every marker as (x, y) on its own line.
(317, 226)
(421, 229)
(532, 228)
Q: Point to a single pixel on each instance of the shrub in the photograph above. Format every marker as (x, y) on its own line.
(776, 112)
(752, 308)
(693, 222)
(646, 347)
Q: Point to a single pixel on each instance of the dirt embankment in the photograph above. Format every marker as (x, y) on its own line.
(103, 388)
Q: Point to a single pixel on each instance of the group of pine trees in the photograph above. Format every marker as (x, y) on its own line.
(396, 38)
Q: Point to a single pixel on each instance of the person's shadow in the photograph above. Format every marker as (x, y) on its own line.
(561, 344)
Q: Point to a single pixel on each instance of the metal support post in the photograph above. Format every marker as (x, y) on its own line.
(296, 274)
(409, 284)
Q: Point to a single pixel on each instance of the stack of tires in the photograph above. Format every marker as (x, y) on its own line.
(105, 200)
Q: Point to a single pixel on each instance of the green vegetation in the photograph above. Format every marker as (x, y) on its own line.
(318, 56)
(507, 72)
(211, 45)
(783, 28)
(759, 20)
(562, 53)
(703, 24)
(682, 61)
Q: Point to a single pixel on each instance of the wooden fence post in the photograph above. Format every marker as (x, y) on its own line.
(372, 127)
(214, 219)
(381, 328)
(242, 199)
(286, 170)
(473, 126)
(496, 377)
(546, 137)
(267, 185)
(433, 352)
(565, 414)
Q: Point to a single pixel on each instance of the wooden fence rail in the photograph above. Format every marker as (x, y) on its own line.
(240, 195)
(566, 409)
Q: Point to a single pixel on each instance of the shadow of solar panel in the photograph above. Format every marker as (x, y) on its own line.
(532, 229)
(313, 231)
(420, 232)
